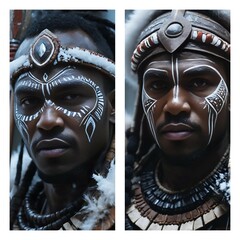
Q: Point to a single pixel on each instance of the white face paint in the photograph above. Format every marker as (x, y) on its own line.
(214, 102)
(86, 115)
(148, 106)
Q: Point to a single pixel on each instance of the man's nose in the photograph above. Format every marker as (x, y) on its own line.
(177, 102)
(49, 119)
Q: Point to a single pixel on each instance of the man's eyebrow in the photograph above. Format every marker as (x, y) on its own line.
(156, 72)
(62, 82)
(70, 81)
(26, 86)
(201, 68)
(198, 59)
(189, 59)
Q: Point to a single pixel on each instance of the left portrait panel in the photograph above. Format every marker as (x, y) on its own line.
(62, 136)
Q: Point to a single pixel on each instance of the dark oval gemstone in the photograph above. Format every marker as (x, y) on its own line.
(174, 30)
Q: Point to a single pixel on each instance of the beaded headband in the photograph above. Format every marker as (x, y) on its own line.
(170, 35)
(46, 50)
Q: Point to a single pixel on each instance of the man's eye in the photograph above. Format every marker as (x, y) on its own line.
(158, 86)
(199, 83)
(71, 97)
(29, 101)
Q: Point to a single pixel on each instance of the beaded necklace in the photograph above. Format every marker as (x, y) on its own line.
(154, 207)
(29, 217)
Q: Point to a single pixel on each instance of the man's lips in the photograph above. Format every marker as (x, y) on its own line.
(176, 131)
(54, 147)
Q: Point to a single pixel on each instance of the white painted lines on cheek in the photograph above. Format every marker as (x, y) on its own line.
(215, 103)
(218, 98)
(148, 105)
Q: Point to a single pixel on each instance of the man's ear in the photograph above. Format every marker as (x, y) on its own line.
(111, 99)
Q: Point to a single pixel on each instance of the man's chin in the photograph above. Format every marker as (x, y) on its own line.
(63, 176)
(184, 159)
(60, 177)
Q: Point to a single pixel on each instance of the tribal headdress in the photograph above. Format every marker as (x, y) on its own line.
(47, 50)
(185, 30)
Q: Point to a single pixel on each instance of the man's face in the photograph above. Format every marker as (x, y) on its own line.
(62, 113)
(185, 98)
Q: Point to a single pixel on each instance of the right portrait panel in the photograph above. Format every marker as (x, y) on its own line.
(177, 120)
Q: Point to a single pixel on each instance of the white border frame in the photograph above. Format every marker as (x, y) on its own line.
(120, 112)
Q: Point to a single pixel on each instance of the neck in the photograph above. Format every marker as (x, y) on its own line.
(59, 196)
(180, 177)
(64, 189)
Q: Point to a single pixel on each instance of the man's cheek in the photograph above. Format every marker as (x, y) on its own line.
(215, 103)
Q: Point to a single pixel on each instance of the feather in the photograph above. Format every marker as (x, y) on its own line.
(96, 209)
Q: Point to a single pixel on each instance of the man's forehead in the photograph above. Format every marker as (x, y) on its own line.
(45, 75)
(184, 59)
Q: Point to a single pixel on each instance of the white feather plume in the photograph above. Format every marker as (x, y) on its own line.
(97, 208)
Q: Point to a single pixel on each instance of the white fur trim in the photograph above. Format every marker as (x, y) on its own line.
(83, 55)
(19, 63)
(97, 208)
